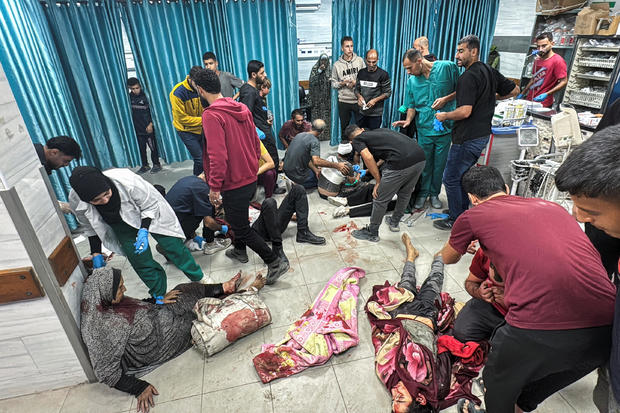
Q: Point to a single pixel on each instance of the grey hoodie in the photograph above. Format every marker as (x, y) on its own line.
(344, 70)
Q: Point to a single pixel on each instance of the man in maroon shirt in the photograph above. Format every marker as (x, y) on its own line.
(558, 297)
(295, 125)
(591, 175)
(230, 162)
(548, 73)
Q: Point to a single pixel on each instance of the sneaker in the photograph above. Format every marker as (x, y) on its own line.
(144, 169)
(218, 244)
(279, 191)
(337, 200)
(394, 227)
(276, 269)
(443, 224)
(365, 234)
(239, 255)
(156, 168)
(419, 202)
(159, 249)
(192, 245)
(435, 202)
(309, 237)
(341, 211)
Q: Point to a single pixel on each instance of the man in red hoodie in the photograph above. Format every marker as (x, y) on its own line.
(230, 162)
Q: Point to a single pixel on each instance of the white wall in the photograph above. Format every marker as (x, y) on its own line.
(36, 354)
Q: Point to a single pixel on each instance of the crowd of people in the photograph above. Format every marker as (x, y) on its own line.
(541, 288)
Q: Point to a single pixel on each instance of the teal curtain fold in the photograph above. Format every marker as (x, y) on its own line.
(391, 26)
(89, 44)
(168, 38)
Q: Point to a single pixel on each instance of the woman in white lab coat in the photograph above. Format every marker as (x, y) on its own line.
(119, 209)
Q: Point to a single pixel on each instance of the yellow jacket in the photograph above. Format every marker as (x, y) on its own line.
(186, 108)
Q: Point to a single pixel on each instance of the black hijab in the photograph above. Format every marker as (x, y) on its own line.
(89, 182)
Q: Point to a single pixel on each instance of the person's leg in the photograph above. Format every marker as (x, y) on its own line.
(361, 210)
(440, 157)
(152, 142)
(236, 203)
(189, 224)
(476, 321)
(408, 182)
(390, 184)
(471, 153)
(311, 181)
(180, 256)
(268, 180)
(363, 122)
(362, 194)
(270, 145)
(427, 143)
(193, 143)
(374, 122)
(580, 352)
(142, 146)
(266, 225)
(149, 270)
(344, 114)
(600, 394)
(408, 277)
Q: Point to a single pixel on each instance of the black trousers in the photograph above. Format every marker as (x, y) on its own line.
(360, 201)
(527, 366)
(272, 221)
(476, 321)
(190, 223)
(143, 141)
(270, 144)
(346, 112)
(236, 203)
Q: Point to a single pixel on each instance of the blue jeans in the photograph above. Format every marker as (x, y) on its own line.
(460, 158)
(194, 144)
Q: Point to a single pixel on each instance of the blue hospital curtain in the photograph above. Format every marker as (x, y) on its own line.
(64, 64)
(169, 38)
(391, 26)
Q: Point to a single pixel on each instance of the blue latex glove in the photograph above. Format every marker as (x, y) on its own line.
(142, 241)
(98, 261)
(356, 168)
(438, 125)
(540, 97)
(159, 299)
(363, 173)
(224, 229)
(260, 133)
(437, 215)
(199, 240)
(519, 96)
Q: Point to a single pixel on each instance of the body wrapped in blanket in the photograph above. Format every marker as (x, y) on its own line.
(423, 372)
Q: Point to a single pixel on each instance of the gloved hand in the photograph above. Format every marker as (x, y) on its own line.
(438, 125)
(356, 168)
(98, 261)
(363, 173)
(260, 133)
(199, 240)
(142, 241)
(159, 299)
(224, 229)
(540, 97)
(519, 96)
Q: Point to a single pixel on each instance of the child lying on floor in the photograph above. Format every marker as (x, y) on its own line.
(423, 372)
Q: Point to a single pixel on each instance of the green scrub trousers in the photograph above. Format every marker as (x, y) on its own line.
(436, 150)
(149, 270)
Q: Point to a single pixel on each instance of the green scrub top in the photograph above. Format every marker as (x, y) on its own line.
(422, 92)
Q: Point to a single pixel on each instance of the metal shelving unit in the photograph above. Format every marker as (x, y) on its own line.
(593, 72)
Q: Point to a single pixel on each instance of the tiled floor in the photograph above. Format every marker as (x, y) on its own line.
(228, 382)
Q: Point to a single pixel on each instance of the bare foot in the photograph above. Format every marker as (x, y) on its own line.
(232, 285)
(412, 253)
(259, 282)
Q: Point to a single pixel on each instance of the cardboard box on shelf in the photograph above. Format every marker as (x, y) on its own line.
(608, 26)
(588, 18)
(553, 7)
